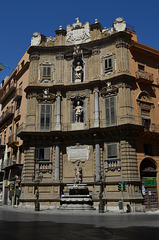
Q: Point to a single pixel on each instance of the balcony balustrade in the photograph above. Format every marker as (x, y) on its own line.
(6, 115)
(6, 91)
(18, 94)
(121, 120)
(144, 77)
(43, 166)
(13, 140)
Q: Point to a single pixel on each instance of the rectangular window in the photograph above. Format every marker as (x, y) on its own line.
(110, 110)
(145, 115)
(42, 154)
(47, 71)
(112, 151)
(148, 149)
(45, 117)
(108, 64)
(141, 67)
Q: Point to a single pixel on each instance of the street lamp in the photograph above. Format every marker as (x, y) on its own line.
(37, 181)
(101, 204)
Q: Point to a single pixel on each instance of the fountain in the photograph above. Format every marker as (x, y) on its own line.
(78, 197)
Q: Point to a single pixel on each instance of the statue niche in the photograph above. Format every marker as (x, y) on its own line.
(78, 111)
(77, 73)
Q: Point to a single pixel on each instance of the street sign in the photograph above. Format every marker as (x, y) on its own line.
(150, 182)
(17, 180)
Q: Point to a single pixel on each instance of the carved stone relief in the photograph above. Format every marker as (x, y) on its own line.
(78, 153)
(78, 33)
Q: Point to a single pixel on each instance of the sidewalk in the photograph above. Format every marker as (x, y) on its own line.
(53, 210)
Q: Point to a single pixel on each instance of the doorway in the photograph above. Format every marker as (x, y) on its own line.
(149, 183)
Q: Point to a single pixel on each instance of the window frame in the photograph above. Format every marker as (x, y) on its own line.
(107, 62)
(110, 110)
(40, 153)
(45, 117)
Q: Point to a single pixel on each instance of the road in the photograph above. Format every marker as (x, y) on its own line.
(26, 224)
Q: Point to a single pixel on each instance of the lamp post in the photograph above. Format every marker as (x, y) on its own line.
(37, 181)
(101, 204)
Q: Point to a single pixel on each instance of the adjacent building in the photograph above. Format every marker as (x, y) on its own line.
(90, 97)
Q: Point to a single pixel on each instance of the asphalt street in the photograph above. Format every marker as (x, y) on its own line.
(26, 224)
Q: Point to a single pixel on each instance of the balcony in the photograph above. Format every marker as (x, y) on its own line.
(17, 115)
(6, 115)
(18, 94)
(13, 140)
(144, 77)
(7, 91)
(146, 125)
(44, 166)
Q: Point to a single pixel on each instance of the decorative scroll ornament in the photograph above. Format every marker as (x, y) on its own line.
(46, 96)
(108, 90)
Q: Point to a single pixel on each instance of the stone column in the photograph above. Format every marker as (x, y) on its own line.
(96, 108)
(97, 160)
(57, 163)
(33, 69)
(122, 56)
(58, 112)
(60, 68)
(125, 104)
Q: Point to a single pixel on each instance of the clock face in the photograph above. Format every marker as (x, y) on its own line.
(36, 39)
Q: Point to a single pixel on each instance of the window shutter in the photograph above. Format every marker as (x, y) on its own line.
(45, 117)
(112, 150)
(110, 62)
(110, 111)
(36, 153)
(47, 154)
(107, 111)
(48, 71)
(44, 71)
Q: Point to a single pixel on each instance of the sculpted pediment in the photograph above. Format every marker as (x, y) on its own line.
(78, 33)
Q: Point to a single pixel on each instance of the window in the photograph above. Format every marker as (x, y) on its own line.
(108, 64)
(45, 117)
(42, 154)
(4, 139)
(20, 154)
(46, 72)
(148, 149)
(112, 161)
(145, 115)
(141, 67)
(112, 151)
(110, 110)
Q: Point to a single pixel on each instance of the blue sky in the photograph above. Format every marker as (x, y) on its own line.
(20, 19)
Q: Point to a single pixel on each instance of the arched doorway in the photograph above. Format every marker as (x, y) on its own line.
(149, 183)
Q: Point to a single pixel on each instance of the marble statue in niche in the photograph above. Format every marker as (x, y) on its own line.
(79, 112)
(77, 71)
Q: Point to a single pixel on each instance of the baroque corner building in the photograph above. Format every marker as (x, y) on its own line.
(92, 99)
